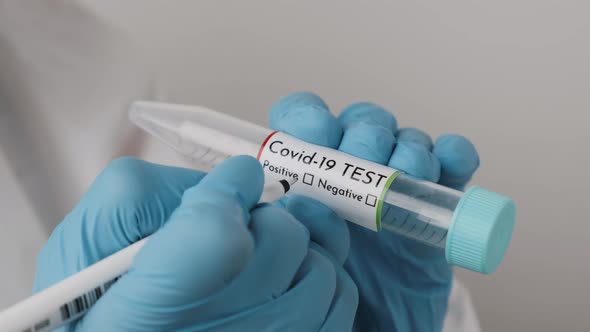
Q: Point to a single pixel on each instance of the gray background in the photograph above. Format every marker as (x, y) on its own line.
(511, 75)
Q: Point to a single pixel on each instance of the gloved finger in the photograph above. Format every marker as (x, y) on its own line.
(342, 311)
(240, 178)
(370, 113)
(281, 246)
(326, 228)
(369, 132)
(129, 200)
(414, 135)
(306, 116)
(458, 158)
(415, 159)
(368, 141)
(302, 308)
(201, 248)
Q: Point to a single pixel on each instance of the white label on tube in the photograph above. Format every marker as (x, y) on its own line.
(352, 187)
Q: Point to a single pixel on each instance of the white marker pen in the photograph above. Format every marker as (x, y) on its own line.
(72, 297)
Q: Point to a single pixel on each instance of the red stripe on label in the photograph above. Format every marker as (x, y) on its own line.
(264, 144)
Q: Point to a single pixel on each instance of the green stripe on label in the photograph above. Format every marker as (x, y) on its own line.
(380, 203)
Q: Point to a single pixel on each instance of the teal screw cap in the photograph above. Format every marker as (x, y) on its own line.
(481, 230)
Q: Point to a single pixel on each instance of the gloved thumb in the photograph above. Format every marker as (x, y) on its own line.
(201, 248)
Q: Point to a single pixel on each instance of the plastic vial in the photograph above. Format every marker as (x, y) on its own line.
(473, 227)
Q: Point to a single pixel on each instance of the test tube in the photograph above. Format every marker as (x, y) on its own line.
(474, 228)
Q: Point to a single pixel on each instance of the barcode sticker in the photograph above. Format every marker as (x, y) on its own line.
(82, 303)
(72, 310)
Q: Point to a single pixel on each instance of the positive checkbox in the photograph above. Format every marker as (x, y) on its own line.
(308, 179)
(371, 200)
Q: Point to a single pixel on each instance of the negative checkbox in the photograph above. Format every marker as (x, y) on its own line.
(371, 200)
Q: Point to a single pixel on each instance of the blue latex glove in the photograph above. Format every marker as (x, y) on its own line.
(403, 285)
(218, 262)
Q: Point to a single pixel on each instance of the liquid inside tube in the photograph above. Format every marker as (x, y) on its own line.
(419, 210)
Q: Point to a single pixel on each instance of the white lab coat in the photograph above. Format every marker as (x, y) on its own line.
(66, 79)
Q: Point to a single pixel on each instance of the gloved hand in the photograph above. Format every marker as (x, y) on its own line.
(403, 285)
(218, 262)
